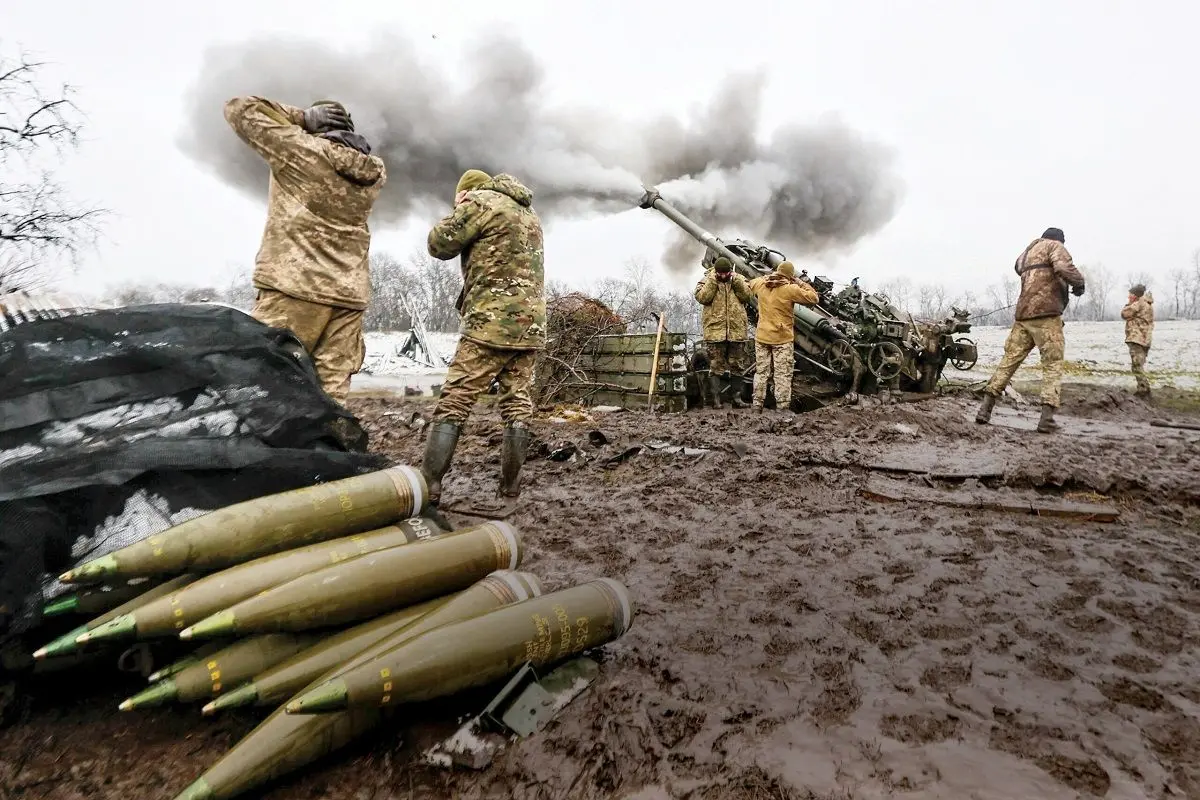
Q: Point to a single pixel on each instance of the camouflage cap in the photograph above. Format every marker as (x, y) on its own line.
(471, 179)
(786, 269)
(1138, 289)
(723, 265)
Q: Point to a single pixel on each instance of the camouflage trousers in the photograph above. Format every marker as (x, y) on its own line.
(726, 357)
(773, 360)
(1046, 334)
(332, 336)
(472, 371)
(1137, 360)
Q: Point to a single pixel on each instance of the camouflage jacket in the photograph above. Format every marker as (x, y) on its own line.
(777, 296)
(1139, 320)
(499, 235)
(1046, 270)
(316, 239)
(723, 315)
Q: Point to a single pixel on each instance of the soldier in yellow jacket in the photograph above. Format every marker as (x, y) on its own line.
(774, 338)
(311, 271)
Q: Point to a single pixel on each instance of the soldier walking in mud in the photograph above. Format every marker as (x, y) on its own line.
(722, 293)
(311, 271)
(1138, 314)
(777, 295)
(503, 307)
(1046, 270)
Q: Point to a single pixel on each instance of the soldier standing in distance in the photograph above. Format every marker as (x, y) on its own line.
(1046, 270)
(723, 294)
(311, 271)
(1139, 329)
(774, 337)
(503, 307)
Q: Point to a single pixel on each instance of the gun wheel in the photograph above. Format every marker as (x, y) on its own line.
(839, 357)
(885, 361)
(964, 364)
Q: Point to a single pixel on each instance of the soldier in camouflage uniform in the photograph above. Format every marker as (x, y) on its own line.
(311, 271)
(1139, 328)
(503, 306)
(723, 295)
(1046, 270)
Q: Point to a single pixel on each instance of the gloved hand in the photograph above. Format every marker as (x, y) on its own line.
(324, 118)
(1077, 290)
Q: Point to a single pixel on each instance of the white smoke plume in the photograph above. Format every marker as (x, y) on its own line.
(805, 190)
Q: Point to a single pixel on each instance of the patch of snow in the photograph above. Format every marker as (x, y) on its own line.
(384, 359)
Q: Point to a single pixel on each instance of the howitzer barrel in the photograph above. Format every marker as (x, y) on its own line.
(808, 321)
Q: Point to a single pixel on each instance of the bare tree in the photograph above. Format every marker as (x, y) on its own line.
(39, 224)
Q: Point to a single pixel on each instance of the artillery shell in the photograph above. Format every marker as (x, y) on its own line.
(282, 681)
(96, 599)
(478, 651)
(221, 670)
(66, 643)
(266, 525)
(208, 648)
(285, 742)
(169, 615)
(369, 585)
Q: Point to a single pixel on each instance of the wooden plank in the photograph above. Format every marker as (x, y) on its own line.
(938, 473)
(642, 364)
(640, 343)
(1184, 426)
(887, 490)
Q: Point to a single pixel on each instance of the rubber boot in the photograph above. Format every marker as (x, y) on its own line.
(1047, 424)
(705, 388)
(984, 415)
(736, 384)
(512, 458)
(714, 389)
(439, 452)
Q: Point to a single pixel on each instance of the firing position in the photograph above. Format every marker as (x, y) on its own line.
(1138, 314)
(503, 307)
(777, 294)
(1046, 270)
(723, 294)
(311, 271)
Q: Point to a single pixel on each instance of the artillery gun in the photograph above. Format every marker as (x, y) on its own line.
(851, 341)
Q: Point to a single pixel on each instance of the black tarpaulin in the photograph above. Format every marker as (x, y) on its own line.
(117, 424)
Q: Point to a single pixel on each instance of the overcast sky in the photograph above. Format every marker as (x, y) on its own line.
(1006, 117)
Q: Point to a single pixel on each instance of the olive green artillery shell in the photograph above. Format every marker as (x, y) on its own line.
(98, 599)
(181, 664)
(238, 662)
(66, 643)
(266, 525)
(478, 651)
(285, 679)
(169, 615)
(369, 585)
(284, 743)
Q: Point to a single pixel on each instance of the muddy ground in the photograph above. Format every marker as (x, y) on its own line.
(795, 639)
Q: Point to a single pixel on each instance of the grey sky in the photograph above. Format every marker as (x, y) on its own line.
(1006, 117)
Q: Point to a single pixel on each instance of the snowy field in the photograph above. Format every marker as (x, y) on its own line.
(1096, 353)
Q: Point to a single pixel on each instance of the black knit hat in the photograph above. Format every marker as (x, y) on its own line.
(1056, 234)
(1138, 289)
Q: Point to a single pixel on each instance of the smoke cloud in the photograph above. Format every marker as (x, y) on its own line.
(805, 190)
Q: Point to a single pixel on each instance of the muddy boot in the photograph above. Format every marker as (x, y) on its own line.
(714, 390)
(439, 452)
(705, 389)
(736, 385)
(984, 415)
(513, 450)
(1047, 424)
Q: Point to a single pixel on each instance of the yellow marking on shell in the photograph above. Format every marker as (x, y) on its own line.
(385, 673)
(387, 698)
(212, 665)
(387, 686)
